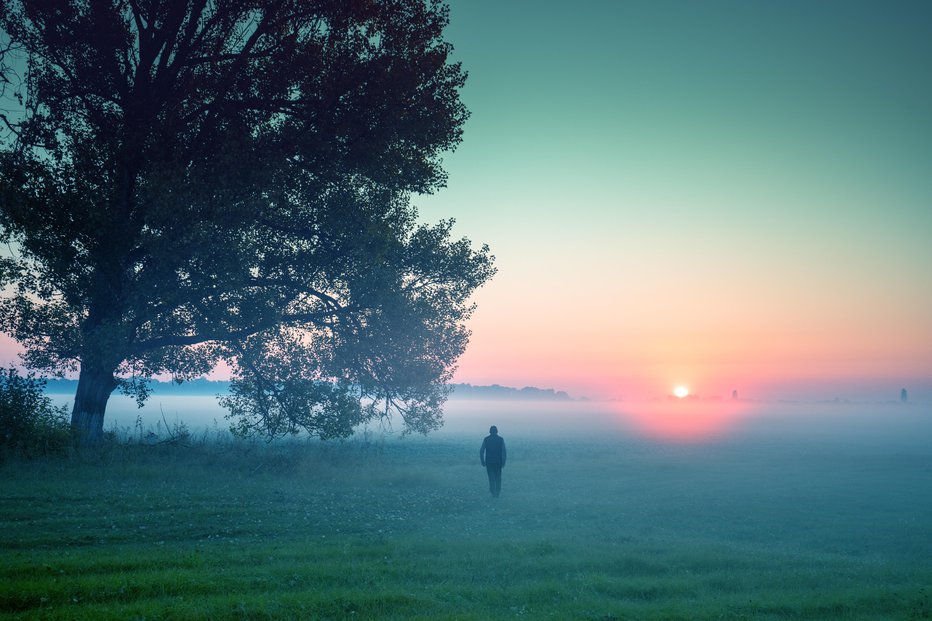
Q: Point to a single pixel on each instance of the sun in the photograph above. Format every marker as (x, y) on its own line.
(680, 391)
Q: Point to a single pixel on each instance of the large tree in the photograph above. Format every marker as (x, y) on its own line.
(189, 182)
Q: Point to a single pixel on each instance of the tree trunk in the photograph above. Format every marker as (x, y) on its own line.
(90, 402)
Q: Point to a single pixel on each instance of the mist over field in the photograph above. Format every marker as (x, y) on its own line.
(723, 422)
(854, 474)
(657, 510)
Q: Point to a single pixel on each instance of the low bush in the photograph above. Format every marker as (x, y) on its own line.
(30, 425)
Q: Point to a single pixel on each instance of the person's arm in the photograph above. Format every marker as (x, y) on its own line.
(503, 453)
(482, 453)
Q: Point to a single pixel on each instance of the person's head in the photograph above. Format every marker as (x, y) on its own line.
(493, 430)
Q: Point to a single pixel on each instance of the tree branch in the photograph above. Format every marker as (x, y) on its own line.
(182, 340)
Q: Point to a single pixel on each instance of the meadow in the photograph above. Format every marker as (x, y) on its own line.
(590, 525)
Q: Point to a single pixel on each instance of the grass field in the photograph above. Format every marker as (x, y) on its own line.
(405, 529)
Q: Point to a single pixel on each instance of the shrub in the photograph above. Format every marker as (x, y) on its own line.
(29, 424)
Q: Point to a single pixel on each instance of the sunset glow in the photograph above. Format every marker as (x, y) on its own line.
(687, 421)
(680, 392)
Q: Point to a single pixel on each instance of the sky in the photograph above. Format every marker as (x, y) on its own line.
(721, 195)
(724, 195)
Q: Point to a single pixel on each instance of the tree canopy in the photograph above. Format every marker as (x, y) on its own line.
(189, 182)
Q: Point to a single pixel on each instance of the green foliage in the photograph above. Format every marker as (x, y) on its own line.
(187, 184)
(30, 425)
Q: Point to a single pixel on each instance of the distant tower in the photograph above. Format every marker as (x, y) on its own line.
(903, 395)
(734, 395)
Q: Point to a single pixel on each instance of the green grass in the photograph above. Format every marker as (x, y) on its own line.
(406, 530)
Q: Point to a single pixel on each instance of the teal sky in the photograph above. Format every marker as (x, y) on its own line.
(715, 193)
(723, 195)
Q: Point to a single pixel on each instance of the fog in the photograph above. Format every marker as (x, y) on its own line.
(869, 426)
(825, 501)
(702, 422)
(804, 469)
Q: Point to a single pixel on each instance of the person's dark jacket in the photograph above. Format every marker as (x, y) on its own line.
(492, 452)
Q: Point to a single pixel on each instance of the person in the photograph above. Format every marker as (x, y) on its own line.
(492, 457)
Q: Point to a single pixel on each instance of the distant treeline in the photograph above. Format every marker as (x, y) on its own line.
(494, 392)
(203, 387)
